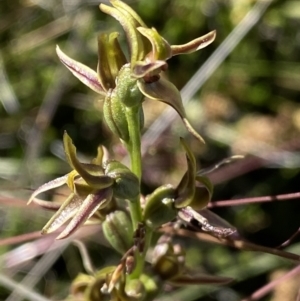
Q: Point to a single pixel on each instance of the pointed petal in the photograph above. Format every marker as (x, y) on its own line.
(85, 74)
(67, 210)
(95, 181)
(90, 205)
(220, 222)
(161, 49)
(46, 204)
(49, 185)
(194, 45)
(199, 279)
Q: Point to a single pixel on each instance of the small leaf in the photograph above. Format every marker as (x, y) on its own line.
(194, 45)
(49, 185)
(85, 74)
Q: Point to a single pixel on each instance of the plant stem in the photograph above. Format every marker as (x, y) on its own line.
(134, 149)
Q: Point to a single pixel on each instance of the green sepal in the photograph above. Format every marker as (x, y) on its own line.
(159, 207)
(118, 231)
(126, 183)
(164, 91)
(92, 174)
(161, 49)
(110, 59)
(124, 7)
(129, 25)
(186, 188)
(202, 194)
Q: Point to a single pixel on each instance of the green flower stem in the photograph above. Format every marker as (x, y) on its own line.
(134, 149)
(140, 257)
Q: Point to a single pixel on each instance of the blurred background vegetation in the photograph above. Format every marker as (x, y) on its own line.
(249, 105)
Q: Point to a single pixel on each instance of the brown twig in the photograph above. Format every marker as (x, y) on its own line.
(238, 244)
(262, 199)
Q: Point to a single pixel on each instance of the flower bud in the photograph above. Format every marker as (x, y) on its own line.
(117, 229)
(127, 89)
(165, 261)
(135, 289)
(115, 115)
(159, 207)
(126, 184)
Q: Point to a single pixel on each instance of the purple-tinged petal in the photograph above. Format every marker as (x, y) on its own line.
(66, 211)
(194, 45)
(85, 74)
(90, 205)
(49, 185)
(46, 204)
(220, 222)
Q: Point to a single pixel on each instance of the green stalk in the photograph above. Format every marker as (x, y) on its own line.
(134, 149)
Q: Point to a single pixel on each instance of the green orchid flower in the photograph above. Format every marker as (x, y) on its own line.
(193, 191)
(125, 83)
(93, 186)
